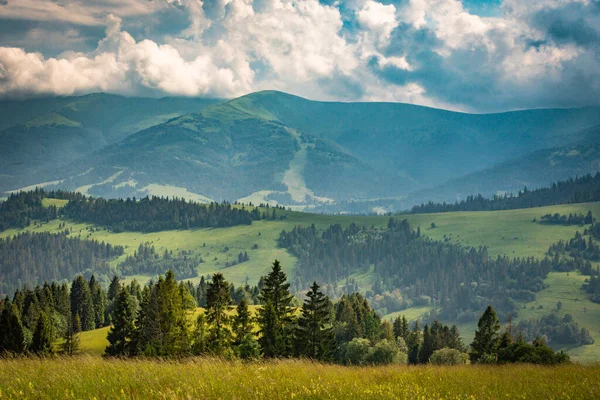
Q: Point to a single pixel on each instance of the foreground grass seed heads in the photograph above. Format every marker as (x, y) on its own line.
(88, 378)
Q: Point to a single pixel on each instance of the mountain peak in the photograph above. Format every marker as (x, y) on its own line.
(51, 119)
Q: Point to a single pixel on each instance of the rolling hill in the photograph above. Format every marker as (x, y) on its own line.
(510, 233)
(41, 135)
(277, 148)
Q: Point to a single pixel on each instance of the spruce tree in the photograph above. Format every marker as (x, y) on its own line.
(276, 315)
(314, 333)
(43, 336)
(242, 322)
(82, 303)
(428, 346)
(99, 301)
(486, 341)
(113, 288)
(122, 332)
(401, 329)
(200, 336)
(71, 337)
(218, 298)
(12, 334)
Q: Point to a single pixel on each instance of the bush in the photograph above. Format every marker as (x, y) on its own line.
(249, 348)
(447, 356)
(357, 351)
(386, 352)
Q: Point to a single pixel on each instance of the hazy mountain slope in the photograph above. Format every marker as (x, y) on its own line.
(226, 152)
(49, 133)
(425, 145)
(538, 168)
(271, 146)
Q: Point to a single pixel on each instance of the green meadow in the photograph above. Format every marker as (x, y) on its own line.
(503, 232)
(202, 378)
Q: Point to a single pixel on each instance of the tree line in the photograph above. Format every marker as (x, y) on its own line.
(152, 214)
(413, 270)
(19, 209)
(155, 321)
(582, 189)
(145, 260)
(578, 254)
(30, 258)
(571, 219)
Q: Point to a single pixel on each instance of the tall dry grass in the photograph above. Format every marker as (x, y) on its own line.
(200, 378)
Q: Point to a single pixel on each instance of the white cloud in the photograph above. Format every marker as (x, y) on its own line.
(431, 52)
(378, 18)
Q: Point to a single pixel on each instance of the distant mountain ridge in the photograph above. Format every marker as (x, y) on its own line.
(279, 148)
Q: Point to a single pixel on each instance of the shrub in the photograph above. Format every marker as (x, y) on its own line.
(447, 356)
(386, 352)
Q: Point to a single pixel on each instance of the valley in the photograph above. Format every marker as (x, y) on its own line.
(510, 233)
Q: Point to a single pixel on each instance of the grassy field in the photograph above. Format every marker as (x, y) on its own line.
(503, 232)
(94, 378)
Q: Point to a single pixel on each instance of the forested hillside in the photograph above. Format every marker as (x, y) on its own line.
(582, 189)
(415, 270)
(29, 258)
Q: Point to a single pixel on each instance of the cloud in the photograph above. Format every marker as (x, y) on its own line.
(433, 52)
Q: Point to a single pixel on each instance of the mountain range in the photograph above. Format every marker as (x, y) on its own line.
(275, 147)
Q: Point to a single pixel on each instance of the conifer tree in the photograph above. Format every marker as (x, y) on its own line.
(401, 329)
(200, 336)
(218, 298)
(99, 301)
(242, 322)
(428, 346)
(275, 317)
(486, 339)
(82, 303)
(71, 337)
(121, 333)
(43, 336)
(314, 334)
(12, 335)
(113, 288)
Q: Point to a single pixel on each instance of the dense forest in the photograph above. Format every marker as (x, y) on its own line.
(151, 214)
(19, 209)
(459, 280)
(29, 258)
(148, 214)
(155, 321)
(579, 190)
(145, 260)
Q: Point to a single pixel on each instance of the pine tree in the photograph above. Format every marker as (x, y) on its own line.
(314, 333)
(200, 336)
(12, 334)
(218, 298)
(99, 301)
(401, 329)
(122, 332)
(43, 336)
(486, 341)
(428, 346)
(113, 288)
(275, 317)
(242, 322)
(71, 337)
(82, 303)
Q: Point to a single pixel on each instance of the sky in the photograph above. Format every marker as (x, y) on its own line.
(470, 55)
